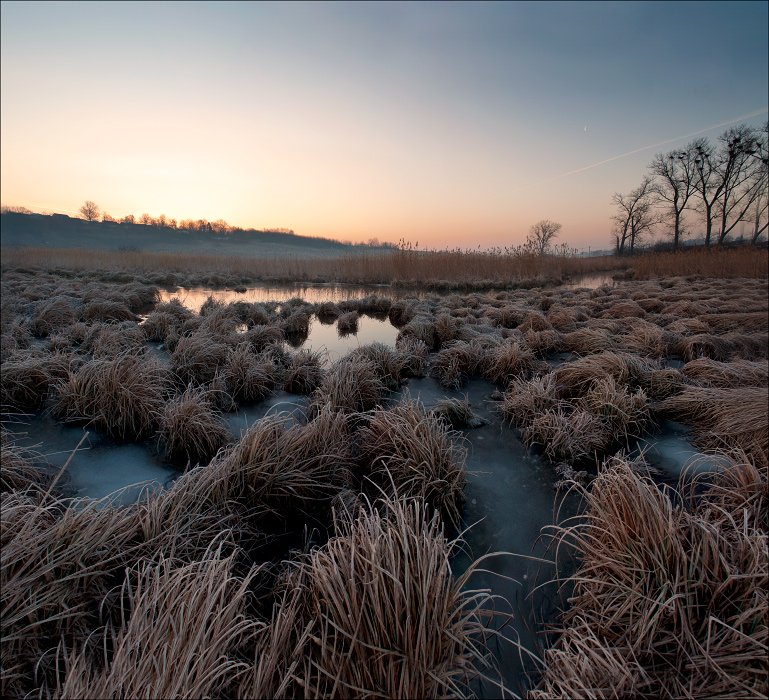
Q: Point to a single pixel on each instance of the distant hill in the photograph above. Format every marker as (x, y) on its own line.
(60, 231)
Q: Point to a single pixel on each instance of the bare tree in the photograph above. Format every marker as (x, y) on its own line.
(90, 211)
(675, 174)
(760, 151)
(635, 215)
(741, 177)
(541, 235)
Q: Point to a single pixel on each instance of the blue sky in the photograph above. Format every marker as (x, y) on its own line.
(447, 123)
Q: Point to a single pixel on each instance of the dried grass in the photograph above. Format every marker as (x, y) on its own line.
(191, 430)
(375, 612)
(725, 418)
(185, 626)
(305, 372)
(707, 372)
(667, 602)
(123, 397)
(351, 386)
(412, 451)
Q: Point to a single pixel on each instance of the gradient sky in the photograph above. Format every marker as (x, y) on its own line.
(443, 123)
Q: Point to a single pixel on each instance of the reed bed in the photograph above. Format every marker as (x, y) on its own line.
(411, 451)
(668, 602)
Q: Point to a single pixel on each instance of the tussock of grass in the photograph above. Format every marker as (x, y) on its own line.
(575, 378)
(112, 339)
(703, 345)
(25, 383)
(56, 566)
(351, 386)
(348, 323)
(589, 341)
(53, 315)
(305, 372)
(191, 430)
(544, 342)
(662, 383)
(345, 623)
(389, 363)
(525, 399)
(122, 397)
(415, 453)
(707, 372)
(261, 337)
(454, 364)
(624, 414)
(296, 327)
(421, 328)
(196, 358)
(534, 321)
(401, 312)
(725, 418)
(249, 377)
(328, 312)
(185, 625)
(667, 602)
(627, 308)
(510, 360)
(278, 465)
(415, 354)
(158, 325)
(106, 311)
(567, 436)
(457, 413)
(18, 471)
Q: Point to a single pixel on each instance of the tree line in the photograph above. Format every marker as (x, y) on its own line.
(714, 186)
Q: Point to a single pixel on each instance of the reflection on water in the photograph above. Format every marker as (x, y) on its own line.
(510, 497)
(326, 338)
(100, 467)
(193, 298)
(592, 281)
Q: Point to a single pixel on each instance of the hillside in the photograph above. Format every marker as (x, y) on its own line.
(58, 231)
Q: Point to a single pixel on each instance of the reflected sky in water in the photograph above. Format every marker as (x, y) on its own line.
(194, 298)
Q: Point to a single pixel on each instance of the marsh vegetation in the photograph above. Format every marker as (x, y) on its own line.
(317, 551)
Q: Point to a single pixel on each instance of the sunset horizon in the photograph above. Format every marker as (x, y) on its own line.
(448, 125)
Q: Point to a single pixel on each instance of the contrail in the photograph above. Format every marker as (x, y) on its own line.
(661, 143)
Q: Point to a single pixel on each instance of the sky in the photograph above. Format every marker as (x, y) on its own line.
(444, 124)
